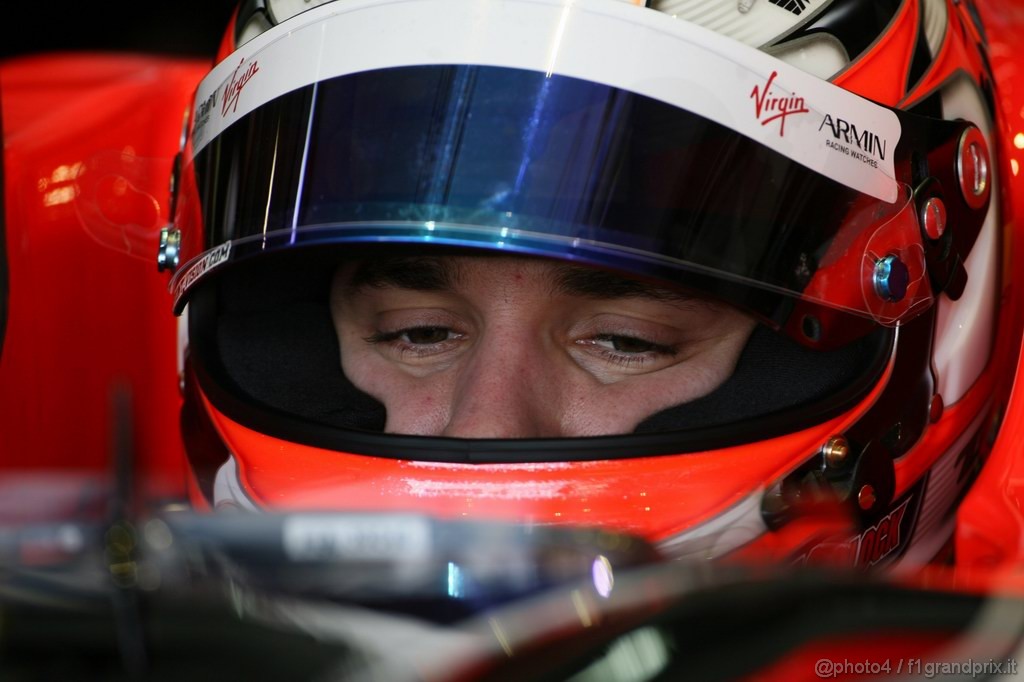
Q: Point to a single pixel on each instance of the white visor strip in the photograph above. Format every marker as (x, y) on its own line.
(811, 121)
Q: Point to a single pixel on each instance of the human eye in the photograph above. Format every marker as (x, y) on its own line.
(627, 350)
(418, 341)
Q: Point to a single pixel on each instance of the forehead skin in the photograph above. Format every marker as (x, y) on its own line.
(515, 347)
(439, 273)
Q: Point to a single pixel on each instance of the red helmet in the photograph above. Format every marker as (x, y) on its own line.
(834, 185)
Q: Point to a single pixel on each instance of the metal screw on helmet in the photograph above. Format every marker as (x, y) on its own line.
(835, 451)
(933, 218)
(972, 167)
(891, 278)
(866, 498)
(811, 328)
(168, 252)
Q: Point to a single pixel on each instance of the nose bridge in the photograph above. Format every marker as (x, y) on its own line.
(506, 390)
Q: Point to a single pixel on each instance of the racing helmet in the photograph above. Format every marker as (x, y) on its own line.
(821, 166)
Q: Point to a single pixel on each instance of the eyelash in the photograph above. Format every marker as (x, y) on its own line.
(619, 358)
(395, 340)
(627, 359)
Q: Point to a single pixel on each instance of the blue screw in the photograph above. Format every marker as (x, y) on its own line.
(891, 279)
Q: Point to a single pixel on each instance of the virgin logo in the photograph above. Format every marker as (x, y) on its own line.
(234, 88)
(770, 107)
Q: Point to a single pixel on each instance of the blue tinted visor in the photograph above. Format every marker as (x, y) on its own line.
(524, 162)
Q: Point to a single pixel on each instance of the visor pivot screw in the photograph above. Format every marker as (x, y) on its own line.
(835, 450)
(866, 497)
(972, 167)
(811, 328)
(933, 218)
(168, 252)
(891, 279)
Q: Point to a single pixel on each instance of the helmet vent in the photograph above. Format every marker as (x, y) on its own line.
(795, 6)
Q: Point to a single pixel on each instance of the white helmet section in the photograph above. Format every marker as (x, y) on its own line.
(765, 24)
(603, 41)
(936, 22)
(821, 54)
(964, 329)
(283, 10)
(758, 23)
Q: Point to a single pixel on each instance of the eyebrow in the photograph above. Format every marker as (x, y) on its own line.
(432, 273)
(424, 273)
(588, 282)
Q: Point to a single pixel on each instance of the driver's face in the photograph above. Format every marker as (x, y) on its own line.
(512, 347)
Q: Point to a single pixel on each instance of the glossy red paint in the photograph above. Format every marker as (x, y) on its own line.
(990, 524)
(86, 316)
(657, 497)
(955, 50)
(890, 55)
(637, 495)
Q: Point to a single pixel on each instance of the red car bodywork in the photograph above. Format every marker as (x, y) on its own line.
(83, 317)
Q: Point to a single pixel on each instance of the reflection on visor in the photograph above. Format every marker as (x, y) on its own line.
(514, 160)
